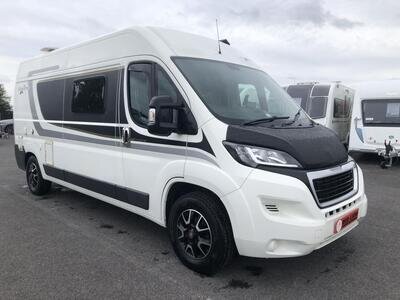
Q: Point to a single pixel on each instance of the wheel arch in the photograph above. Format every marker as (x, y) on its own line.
(27, 156)
(179, 187)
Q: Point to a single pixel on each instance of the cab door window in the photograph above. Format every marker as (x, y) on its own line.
(147, 80)
(140, 78)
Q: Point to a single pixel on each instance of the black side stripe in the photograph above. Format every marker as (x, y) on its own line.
(126, 195)
(203, 145)
(104, 131)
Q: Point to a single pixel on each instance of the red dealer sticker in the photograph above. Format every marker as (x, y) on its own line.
(345, 220)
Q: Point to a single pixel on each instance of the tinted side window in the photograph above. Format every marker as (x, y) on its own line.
(341, 108)
(50, 95)
(88, 95)
(300, 94)
(139, 92)
(164, 86)
(321, 90)
(143, 86)
(317, 107)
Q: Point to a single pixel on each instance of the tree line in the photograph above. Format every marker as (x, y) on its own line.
(5, 106)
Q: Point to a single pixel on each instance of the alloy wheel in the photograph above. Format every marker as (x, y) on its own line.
(194, 234)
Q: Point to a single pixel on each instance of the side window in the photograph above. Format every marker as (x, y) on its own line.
(317, 107)
(340, 108)
(88, 95)
(164, 85)
(139, 92)
(143, 85)
(248, 96)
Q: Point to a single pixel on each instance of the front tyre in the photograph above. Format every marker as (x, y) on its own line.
(37, 185)
(200, 232)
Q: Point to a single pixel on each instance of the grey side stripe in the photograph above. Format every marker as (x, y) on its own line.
(182, 151)
(56, 134)
(47, 69)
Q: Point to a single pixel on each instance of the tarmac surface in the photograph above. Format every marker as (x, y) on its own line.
(68, 245)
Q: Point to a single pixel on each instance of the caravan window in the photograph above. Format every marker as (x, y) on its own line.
(377, 112)
(317, 107)
(341, 108)
(88, 95)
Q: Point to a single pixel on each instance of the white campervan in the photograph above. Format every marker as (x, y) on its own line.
(328, 104)
(376, 118)
(155, 121)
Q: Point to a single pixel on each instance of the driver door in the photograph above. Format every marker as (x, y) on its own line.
(149, 161)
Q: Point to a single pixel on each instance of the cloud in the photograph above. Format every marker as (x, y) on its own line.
(274, 13)
(304, 39)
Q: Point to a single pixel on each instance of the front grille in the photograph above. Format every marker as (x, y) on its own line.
(333, 185)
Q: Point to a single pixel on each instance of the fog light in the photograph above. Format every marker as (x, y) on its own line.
(272, 245)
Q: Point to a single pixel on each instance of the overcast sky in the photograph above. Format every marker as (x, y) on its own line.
(292, 40)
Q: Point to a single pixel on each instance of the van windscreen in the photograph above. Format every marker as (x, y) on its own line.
(381, 112)
(236, 94)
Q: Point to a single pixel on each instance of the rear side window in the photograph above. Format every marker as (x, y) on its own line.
(88, 95)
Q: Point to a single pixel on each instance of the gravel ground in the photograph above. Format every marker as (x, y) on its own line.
(68, 245)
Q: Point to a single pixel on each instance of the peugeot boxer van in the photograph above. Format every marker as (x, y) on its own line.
(327, 104)
(156, 122)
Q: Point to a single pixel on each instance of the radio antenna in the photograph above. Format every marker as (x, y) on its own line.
(219, 42)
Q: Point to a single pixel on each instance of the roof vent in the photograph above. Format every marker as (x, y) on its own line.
(48, 49)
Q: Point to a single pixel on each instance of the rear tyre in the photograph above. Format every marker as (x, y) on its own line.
(200, 232)
(37, 185)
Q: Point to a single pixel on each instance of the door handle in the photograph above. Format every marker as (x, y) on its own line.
(126, 136)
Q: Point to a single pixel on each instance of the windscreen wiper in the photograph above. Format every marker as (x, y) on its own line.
(263, 120)
(296, 117)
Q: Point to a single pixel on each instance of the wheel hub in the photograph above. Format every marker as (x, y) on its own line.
(194, 234)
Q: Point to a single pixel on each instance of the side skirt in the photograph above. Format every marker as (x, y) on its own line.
(123, 194)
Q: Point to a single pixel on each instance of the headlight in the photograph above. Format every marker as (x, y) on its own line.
(253, 156)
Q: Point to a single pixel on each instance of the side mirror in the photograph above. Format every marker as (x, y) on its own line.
(163, 115)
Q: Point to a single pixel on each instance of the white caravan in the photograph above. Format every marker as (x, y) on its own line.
(328, 104)
(376, 118)
(154, 121)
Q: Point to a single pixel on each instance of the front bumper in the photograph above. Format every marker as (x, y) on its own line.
(275, 215)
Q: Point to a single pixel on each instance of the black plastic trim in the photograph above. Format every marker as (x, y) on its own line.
(20, 157)
(202, 145)
(123, 194)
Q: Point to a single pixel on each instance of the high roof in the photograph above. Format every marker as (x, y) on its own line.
(155, 41)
